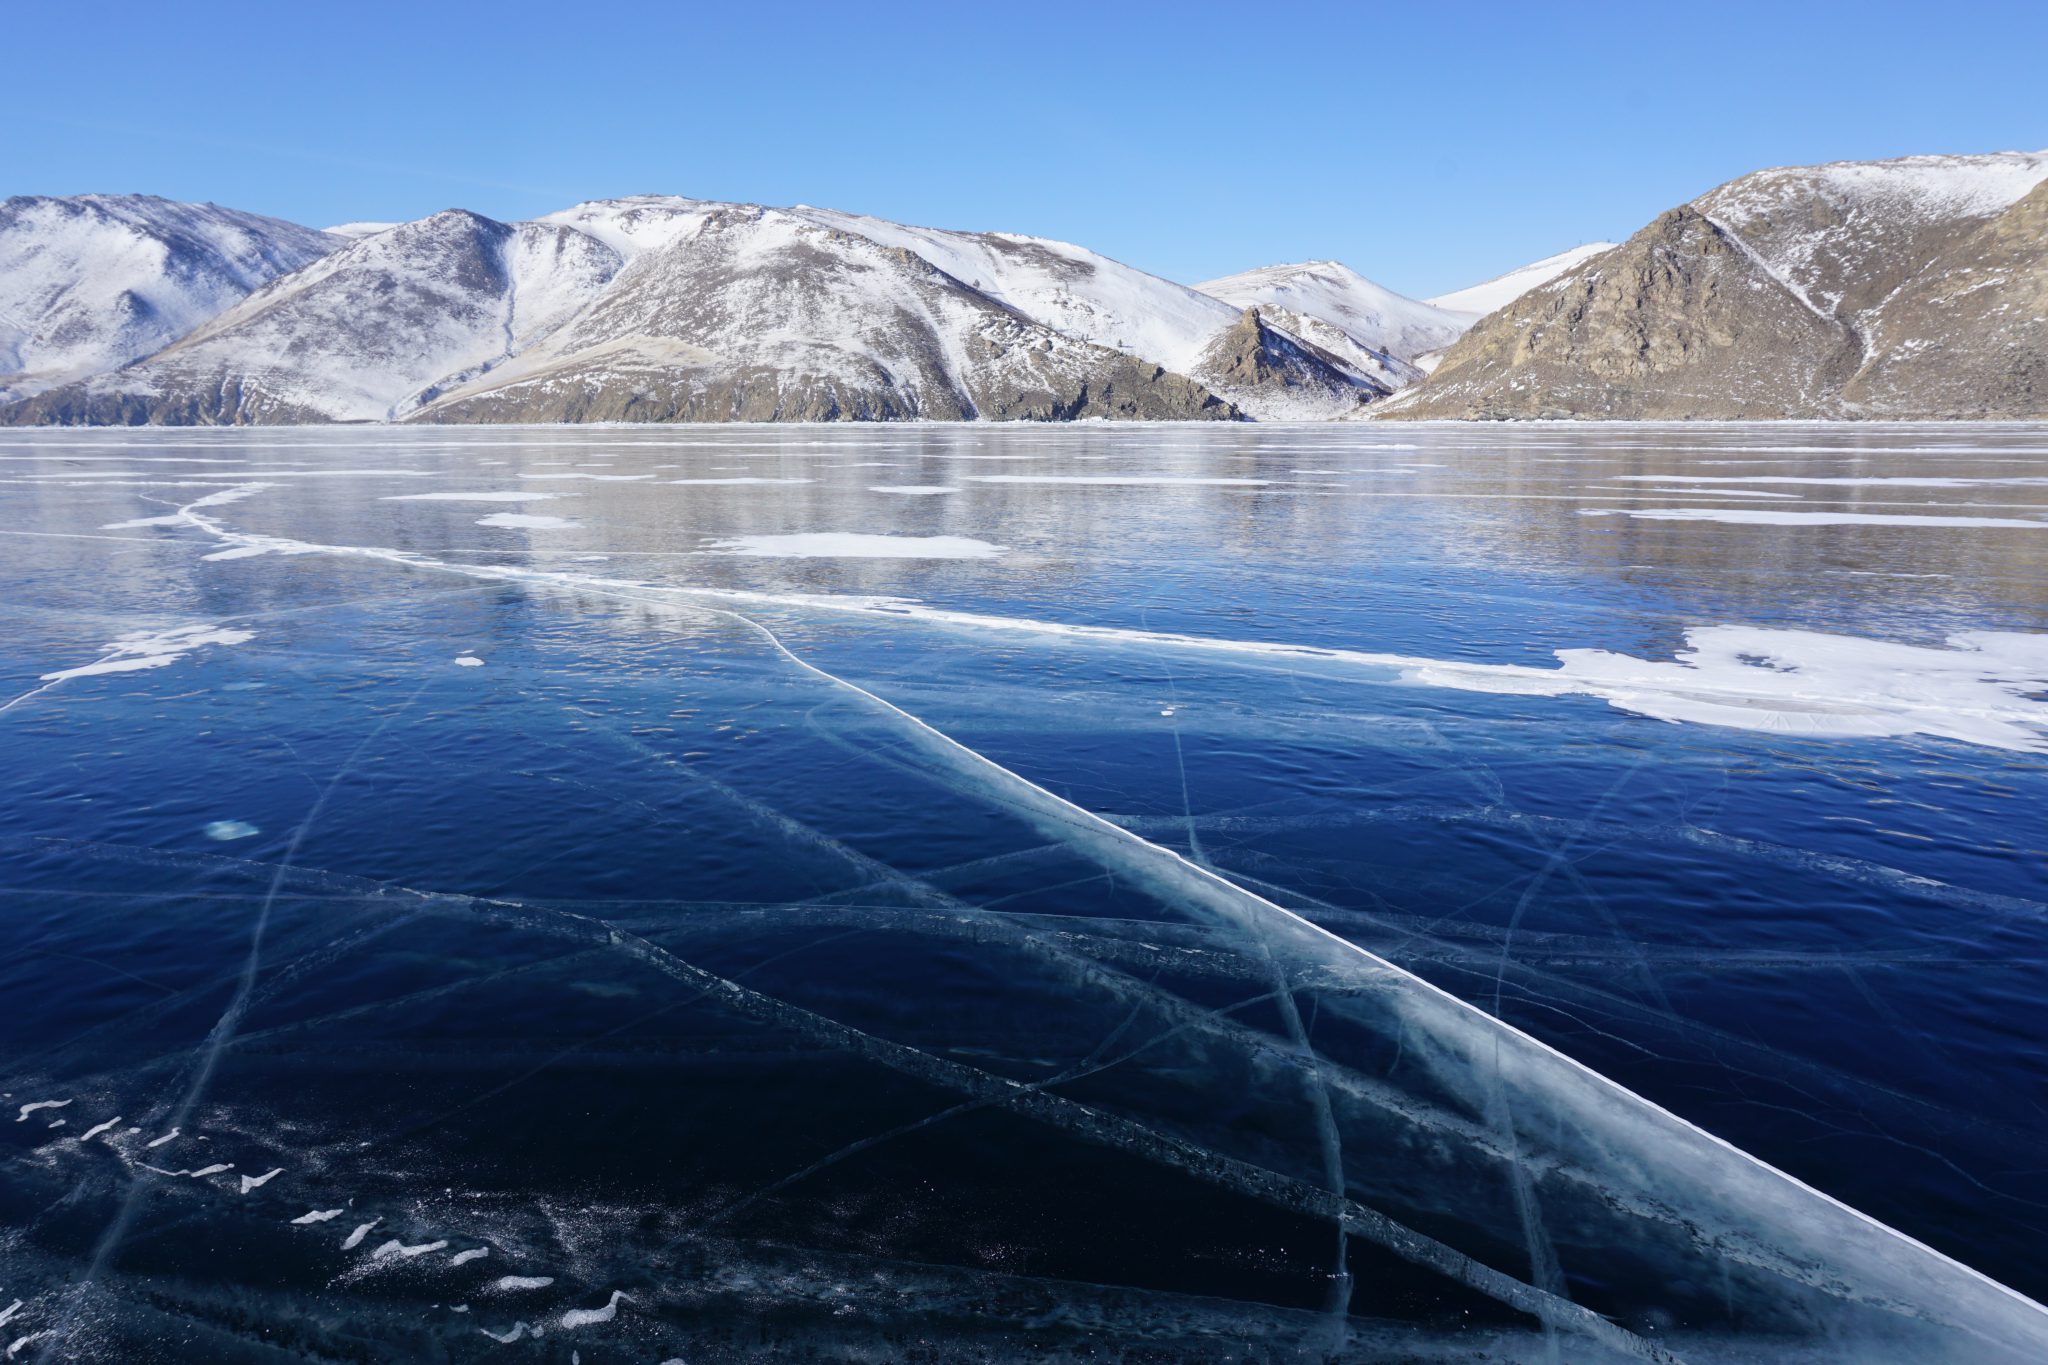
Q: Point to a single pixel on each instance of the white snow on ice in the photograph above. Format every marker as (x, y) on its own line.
(526, 521)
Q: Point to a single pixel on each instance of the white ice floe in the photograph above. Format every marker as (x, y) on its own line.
(525, 521)
(225, 831)
(355, 1239)
(152, 649)
(912, 489)
(216, 1168)
(98, 1128)
(250, 1182)
(511, 1284)
(497, 495)
(35, 1105)
(585, 1317)
(857, 545)
(468, 661)
(465, 1257)
(517, 1330)
(318, 1216)
(158, 1142)
(1751, 516)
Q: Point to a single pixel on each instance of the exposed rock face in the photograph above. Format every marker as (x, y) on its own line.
(90, 283)
(1900, 289)
(1292, 376)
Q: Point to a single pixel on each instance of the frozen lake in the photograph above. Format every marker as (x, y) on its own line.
(1175, 893)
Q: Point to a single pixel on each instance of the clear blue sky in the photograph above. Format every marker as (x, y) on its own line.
(1429, 146)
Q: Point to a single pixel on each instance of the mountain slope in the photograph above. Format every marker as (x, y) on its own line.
(92, 282)
(1904, 289)
(742, 313)
(1502, 290)
(363, 334)
(1375, 318)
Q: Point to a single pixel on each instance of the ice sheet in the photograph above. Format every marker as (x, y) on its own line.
(857, 545)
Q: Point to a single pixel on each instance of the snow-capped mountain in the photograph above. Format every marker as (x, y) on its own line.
(657, 308)
(1911, 288)
(737, 312)
(92, 282)
(1502, 290)
(366, 333)
(1379, 322)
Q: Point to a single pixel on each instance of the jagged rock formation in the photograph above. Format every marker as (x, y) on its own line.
(1292, 375)
(90, 283)
(1899, 289)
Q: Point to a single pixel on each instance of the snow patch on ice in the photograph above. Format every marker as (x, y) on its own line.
(526, 521)
(1984, 687)
(152, 649)
(35, 1105)
(913, 489)
(512, 1284)
(224, 831)
(585, 1317)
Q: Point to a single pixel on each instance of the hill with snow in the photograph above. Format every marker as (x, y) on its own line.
(1502, 290)
(1915, 288)
(91, 282)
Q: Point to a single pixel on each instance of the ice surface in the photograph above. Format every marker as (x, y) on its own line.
(1746, 516)
(1077, 955)
(857, 545)
(36, 1105)
(493, 495)
(912, 489)
(224, 831)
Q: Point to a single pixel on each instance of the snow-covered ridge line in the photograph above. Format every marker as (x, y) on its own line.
(657, 307)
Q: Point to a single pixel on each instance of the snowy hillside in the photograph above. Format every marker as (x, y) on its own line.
(740, 312)
(365, 333)
(1915, 288)
(92, 282)
(1502, 290)
(1371, 315)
